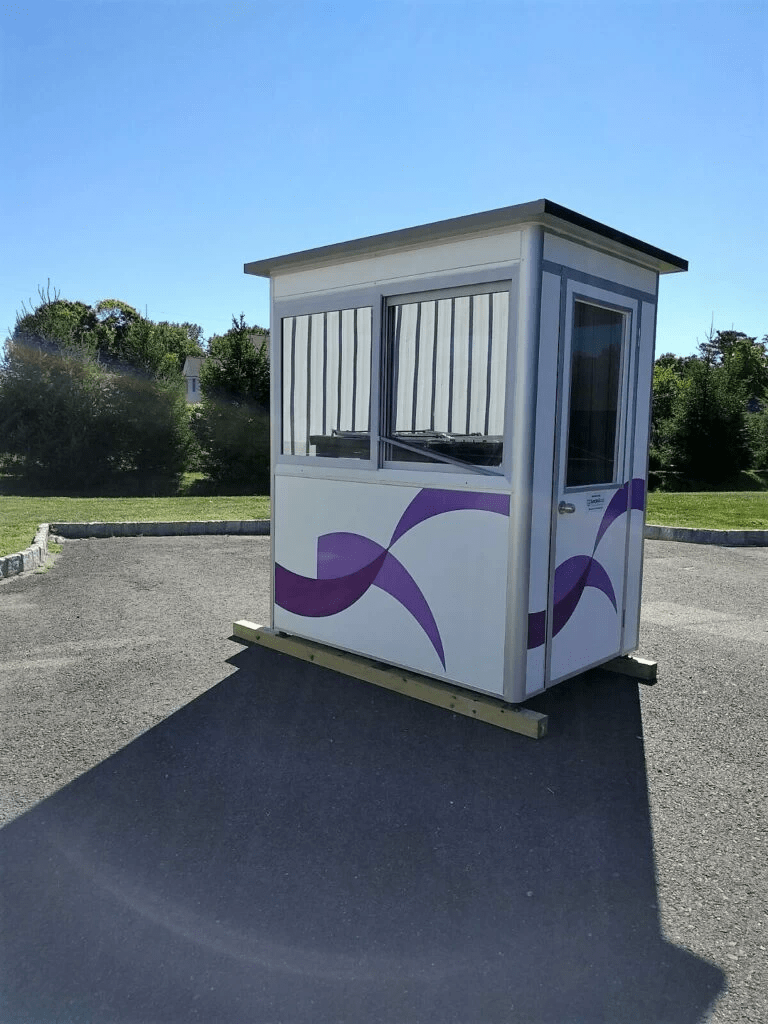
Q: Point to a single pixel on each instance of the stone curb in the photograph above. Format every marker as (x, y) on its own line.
(33, 557)
(212, 527)
(725, 538)
(30, 558)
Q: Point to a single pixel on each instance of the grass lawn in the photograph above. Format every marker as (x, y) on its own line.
(714, 510)
(20, 516)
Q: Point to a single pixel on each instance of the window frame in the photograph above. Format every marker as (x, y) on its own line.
(619, 450)
(308, 306)
(463, 286)
(379, 297)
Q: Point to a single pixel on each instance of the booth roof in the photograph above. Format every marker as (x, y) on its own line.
(543, 211)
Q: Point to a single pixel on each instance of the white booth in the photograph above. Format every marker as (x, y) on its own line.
(460, 417)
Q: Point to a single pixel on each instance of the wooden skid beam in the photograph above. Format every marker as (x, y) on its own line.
(632, 665)
(410, 684)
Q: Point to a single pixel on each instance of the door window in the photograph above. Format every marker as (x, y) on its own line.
(596, 345)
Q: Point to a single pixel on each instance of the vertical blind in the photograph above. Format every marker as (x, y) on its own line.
(326, 378)
(444, 388)
(450, 364)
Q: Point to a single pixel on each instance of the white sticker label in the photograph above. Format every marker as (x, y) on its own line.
(595, 502)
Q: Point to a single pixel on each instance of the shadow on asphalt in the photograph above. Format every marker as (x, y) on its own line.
(294, 846)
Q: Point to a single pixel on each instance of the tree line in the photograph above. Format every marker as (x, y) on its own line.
(710, 413)
(92, 398)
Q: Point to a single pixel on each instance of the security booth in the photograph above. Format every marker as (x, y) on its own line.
(460, 418)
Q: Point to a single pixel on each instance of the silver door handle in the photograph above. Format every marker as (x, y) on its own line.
(565, 506)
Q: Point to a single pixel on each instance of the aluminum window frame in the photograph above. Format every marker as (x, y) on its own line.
(503, 277)
(499, 280)
(331, 302)
(625, 399)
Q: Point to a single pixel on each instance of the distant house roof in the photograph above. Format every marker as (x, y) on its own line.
(192, 366)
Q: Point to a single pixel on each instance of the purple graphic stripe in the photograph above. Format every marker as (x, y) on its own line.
(342, 554)
(320, 598)
(575, 574)
(431, 502)
(395, 579)
(637, 499)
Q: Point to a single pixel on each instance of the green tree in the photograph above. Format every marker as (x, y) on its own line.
(232, 422)
(757, 439)
(705, 438)
(237, 367)
(113, 329)
(745, 359)
(59, 322)
(233, 439)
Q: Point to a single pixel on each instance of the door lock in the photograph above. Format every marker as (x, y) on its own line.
(565, 506)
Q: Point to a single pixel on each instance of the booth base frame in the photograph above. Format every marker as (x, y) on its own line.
(642, 669)
(444, 695)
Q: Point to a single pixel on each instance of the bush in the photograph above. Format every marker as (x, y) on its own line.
(757, 439)
(236, 368)
(66, 420)
(234, 443)
(705, 440)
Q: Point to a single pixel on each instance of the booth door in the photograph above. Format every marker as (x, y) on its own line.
(590, 531)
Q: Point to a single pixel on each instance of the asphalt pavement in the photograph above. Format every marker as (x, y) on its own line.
(198, 831)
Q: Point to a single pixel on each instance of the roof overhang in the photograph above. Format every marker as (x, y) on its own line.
(553, 217)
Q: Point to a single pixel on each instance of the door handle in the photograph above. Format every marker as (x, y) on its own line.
(565, 506)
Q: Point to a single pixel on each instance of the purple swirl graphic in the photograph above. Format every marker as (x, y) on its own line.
(348, 564)
(575, 574)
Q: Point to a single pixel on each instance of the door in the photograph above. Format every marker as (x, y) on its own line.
(590, 530)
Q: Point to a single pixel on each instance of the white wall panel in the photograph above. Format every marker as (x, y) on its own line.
(599, 264)
(544, 453)
(456, 559)
(639, 464)
(420, 263)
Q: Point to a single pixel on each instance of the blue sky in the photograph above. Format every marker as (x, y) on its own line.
(151, 148)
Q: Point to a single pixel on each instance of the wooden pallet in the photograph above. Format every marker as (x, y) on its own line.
(410, 684)
(642, 669)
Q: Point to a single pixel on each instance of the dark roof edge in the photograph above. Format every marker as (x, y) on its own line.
(541, 210)
(571, 217)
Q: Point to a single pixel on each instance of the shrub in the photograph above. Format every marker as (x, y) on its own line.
(234, 443)
(705, 439)
(757, 439)
(68, 421)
